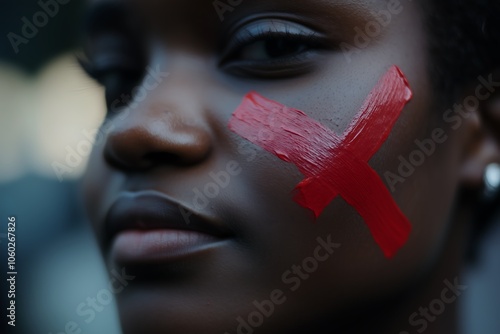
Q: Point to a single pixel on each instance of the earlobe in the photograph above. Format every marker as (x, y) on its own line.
(483, 142)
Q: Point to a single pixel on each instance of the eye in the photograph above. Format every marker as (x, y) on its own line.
(272, 48)
(114, 63)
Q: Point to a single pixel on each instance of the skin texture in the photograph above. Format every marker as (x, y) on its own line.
(177, 135)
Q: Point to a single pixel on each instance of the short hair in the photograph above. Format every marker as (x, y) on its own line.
(464, 42)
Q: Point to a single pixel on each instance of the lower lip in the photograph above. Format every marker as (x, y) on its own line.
(159, 245)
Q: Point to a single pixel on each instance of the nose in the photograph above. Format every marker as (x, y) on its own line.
(158, 134)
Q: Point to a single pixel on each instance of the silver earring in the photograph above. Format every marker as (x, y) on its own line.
(491, 180)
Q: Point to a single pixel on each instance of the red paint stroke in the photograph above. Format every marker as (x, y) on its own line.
(335, 165)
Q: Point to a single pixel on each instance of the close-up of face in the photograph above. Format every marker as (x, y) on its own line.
(207, 220)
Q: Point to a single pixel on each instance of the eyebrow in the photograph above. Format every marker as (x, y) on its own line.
(105, 15)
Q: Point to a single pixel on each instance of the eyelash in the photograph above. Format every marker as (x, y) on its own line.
(307, 43)
(308, 40)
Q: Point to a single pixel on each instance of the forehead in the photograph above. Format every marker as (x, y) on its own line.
(218, 12)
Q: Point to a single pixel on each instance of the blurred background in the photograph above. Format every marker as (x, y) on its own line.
(48, 112)
(47, 105)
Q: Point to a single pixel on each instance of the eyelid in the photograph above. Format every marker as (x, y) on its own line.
(288, 18)
(257, 29)
(266, 26)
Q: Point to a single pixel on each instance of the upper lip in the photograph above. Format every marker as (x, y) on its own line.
(148, 210)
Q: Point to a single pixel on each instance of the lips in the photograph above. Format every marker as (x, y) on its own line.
(149, 226)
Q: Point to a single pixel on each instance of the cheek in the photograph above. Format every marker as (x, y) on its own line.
(335, 165)
(425, 196)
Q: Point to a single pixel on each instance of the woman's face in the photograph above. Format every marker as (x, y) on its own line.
(205, 220)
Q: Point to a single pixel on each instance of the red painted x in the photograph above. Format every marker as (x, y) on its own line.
(335, 165)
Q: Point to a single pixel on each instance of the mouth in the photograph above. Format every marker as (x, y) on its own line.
(150, 227)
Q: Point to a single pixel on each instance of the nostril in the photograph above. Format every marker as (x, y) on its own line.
(162, 158)
(145, 162)
(119, 161)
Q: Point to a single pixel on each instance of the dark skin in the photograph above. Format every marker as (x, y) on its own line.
(178, 134)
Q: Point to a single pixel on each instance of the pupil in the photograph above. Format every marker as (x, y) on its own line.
(280, 48)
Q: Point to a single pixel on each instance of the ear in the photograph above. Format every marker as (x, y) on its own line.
(483, 138)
